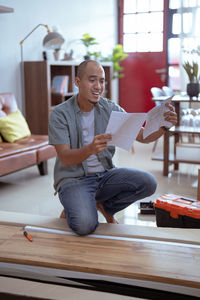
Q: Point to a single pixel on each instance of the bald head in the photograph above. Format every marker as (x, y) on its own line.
(82, 67)
(90, 80)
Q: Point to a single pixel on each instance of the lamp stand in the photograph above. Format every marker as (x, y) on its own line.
(22, 66)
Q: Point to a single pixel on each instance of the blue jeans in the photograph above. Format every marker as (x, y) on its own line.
(116, 189)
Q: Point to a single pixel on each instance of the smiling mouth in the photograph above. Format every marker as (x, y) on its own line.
(96, 93)
(95, 99)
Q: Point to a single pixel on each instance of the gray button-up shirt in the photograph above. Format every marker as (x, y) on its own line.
(65, 128)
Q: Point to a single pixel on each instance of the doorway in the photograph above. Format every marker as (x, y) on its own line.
(143, 34)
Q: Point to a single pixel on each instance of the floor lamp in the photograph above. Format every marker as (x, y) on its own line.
(52, 40)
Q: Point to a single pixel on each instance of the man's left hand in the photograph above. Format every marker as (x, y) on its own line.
(171, 115)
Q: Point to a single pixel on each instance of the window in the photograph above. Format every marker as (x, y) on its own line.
(183, 37)
(143, 25)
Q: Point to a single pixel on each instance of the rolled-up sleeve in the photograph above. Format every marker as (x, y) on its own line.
(58, 129)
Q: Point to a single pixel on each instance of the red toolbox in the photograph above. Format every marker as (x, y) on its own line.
(176, 211)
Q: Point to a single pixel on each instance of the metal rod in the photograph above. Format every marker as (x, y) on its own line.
(33, 31)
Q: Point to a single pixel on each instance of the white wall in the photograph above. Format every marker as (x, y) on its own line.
(73, 18)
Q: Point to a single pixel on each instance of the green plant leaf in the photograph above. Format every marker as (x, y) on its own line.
(88, 40)
(192, 70)
(116, 57)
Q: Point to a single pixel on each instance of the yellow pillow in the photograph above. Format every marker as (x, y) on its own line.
(14, 127)
(1, 139)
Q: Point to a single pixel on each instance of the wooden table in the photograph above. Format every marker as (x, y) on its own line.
(176, 131)
(155, 265)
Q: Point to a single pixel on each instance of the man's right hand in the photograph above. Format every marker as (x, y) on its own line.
(70, 157)
(99, 142)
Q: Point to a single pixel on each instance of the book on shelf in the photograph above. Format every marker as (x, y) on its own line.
(60, 84)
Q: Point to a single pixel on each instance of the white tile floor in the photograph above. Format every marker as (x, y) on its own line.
(25, 191)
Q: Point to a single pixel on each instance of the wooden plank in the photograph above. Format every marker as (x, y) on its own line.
(6, 233)
(147, 232)
(188, 239)
(136, 260)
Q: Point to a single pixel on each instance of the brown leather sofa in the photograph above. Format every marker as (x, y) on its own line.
(25, 152)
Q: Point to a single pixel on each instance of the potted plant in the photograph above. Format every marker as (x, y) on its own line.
(56, 53)
(88, 41)
(192, 70)
(96, 55)
(116, 57)
(68, 55)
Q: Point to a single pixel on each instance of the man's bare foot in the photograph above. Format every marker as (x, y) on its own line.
(109, 218)
(62, 215)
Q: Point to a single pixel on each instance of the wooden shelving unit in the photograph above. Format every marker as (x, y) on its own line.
(39, 100)
(174, 133)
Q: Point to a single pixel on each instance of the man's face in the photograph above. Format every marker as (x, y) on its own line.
(92, 82)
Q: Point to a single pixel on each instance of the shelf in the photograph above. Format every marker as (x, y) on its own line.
(159, 157)
(5, 9)
(185, 129)
(177, 132)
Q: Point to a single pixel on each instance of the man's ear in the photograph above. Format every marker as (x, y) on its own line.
(77, 81)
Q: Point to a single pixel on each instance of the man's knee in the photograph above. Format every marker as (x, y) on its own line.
(150, 183)
(84, 226)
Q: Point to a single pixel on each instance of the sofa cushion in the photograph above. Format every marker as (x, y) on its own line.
(14, 127)
(28, 143)
(17, 162)
(45, 153)
(8, 104)
(24, 153)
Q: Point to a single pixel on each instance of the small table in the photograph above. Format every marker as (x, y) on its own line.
(176, 131)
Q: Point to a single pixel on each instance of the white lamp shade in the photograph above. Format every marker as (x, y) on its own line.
(53, 40)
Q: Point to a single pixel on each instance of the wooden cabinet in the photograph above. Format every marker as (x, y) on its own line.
(39, 99)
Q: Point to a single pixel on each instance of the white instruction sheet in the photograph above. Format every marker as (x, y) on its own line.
(124, 128)
(155, 118)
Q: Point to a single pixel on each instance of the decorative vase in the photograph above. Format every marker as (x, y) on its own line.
(67, 57)
(193, 89)
(56, 55)
(87, 57)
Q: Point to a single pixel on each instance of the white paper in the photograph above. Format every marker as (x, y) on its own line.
(155, 118)
(124, 128)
